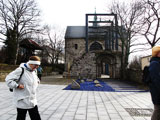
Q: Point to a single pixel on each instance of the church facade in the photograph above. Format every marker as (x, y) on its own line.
(93, 50)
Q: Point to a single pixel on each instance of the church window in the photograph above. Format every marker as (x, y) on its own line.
(96, 46)
(76, 46)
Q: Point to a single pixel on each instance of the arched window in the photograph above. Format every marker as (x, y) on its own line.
(95, 46)
(76, 46)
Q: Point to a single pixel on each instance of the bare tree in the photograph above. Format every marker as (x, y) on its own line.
(128, 16)
(21, 16)
(151, 22)
(55, 44)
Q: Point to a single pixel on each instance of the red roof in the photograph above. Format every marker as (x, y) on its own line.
(30, 44)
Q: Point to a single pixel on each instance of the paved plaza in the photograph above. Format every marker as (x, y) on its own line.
(54, 103)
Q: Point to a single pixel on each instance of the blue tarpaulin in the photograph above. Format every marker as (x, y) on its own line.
(90, 86)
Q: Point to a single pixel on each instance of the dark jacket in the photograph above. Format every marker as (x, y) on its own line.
(154, 70)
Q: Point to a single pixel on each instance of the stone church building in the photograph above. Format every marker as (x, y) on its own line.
(93, 50)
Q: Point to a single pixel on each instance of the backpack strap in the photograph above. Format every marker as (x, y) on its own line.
(28, 68)
(11, 90)
(20, 75)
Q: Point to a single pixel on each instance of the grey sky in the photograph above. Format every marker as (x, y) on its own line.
(70, 12)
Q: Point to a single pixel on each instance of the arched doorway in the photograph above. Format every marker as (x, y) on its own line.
(106, 65)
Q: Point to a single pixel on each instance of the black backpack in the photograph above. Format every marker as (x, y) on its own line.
(10, 89)
(146, 77)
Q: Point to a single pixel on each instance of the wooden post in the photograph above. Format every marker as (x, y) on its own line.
(68, 72)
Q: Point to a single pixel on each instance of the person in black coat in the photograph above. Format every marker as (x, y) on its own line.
(154, 70)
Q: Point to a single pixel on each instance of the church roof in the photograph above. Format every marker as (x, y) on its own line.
(75, 32)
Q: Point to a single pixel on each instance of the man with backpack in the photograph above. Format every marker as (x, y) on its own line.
(24, 85)
(154, 73)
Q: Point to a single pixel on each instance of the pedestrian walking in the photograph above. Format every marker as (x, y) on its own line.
(154, 71)
(24, 90)
(39, 72)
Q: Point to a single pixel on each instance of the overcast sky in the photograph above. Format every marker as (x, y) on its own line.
(70, 12)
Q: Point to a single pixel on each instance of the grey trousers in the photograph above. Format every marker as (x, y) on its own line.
(156, 113)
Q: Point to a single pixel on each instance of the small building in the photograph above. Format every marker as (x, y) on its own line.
(93, 50)
(28, 48)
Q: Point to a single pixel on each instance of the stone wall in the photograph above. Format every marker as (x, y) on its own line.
(134, 75)
(84, 67)
(71, 53)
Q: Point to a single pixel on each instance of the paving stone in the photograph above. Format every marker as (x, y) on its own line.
(81, 112)
(102, 113)
(104, 117)
(57, 104)
(67, 118)
(92, 118)
(114, 116)
(139, 118)
(91, 110)
(44, 117)
(69, 114)
(81, 117)
(5, 117)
